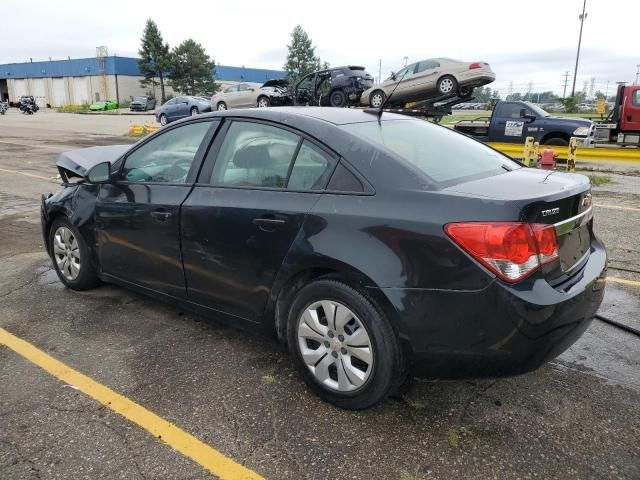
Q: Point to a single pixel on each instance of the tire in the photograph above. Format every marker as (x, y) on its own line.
(447, 85)
(64, 240)
(377, 98)
(338, 99)
(263, 102)
(194, 111)
(374, 371)
(163, 119)
(558, 141)
(221, 106)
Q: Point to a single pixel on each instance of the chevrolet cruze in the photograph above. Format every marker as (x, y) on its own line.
(374, 246)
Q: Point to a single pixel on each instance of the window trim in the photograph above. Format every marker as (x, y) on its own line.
(197, 159)
(207, 167)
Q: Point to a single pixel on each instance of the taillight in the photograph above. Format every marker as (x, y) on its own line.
(511, 250)
(475, 65)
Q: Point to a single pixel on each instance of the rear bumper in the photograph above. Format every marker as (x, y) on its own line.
(500, 330)
(475, 77)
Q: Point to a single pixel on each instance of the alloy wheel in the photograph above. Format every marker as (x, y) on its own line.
(376, 100)
(67, 253)
(221, 106)
(263, 103)
(446, 85)
(335, 346)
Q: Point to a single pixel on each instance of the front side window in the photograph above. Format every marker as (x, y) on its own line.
(635, 99)
(231, 89)
(306, 83)
(254, 155)
(311, 169)
(243, 87)
(166, 158)
(444, 156)
(427, 65)
(510, 110)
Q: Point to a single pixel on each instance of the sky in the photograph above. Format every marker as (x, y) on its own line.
(530, 44)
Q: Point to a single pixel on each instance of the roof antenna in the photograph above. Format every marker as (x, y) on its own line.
(378, 111)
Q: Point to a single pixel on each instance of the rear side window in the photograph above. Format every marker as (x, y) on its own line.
(343, 180)
(254, 155)
(311, 169)
(636, 98)
(427, 65)
(444, 156)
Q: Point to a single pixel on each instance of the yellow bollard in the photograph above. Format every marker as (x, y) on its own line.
(571, 154)
(528, 151)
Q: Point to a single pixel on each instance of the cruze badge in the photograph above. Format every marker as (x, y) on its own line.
(551, 211)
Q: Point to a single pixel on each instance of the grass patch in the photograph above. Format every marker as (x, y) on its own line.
(73, 108)
(268, 379)
(457, 434)
(597, 180)
(412, 475)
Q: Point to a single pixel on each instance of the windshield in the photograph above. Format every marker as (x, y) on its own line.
(444, 156)
(539, 111)
(139, 99)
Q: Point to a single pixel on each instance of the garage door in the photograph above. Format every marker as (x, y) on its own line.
(38, 91)
(58, 92)
(19, 89)
(80, 93)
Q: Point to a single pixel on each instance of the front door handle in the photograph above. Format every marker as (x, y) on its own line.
(269, 223)
(161, 215)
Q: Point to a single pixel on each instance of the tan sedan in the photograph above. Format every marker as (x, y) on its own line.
(435, 77)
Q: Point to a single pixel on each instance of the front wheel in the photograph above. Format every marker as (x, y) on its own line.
(344, 346)
(377, 99)
(221, 106)
(71, 256)
(557, 141)
(263, 102)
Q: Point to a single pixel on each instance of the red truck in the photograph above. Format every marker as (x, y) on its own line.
(622, 126)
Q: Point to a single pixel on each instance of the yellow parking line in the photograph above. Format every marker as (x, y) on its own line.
(201, 453)
(624, 281)
(26, 174)
(617, 207)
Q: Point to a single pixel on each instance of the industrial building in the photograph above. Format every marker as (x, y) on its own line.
(85, 80)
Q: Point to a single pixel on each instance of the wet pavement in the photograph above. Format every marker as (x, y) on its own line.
(577, 417)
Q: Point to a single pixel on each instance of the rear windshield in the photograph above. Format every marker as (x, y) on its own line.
(444, 156)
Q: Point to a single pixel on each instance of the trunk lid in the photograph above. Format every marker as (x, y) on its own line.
(552, 198)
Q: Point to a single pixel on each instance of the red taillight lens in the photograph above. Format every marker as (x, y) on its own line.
(512, 250)
(475, 65)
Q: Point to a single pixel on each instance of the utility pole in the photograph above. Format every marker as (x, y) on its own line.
(405, 60)
(510, 91)
(380, 71)
(566, 81)
(606, 92)
(637, 74)
(582, 18)
(529, 91)
(591, 87)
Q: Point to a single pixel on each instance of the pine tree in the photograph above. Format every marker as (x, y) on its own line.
(192, 70)
(301, 58)
(154, 58)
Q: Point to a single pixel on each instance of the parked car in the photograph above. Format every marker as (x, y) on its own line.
(270, 93)
(24, 99)
(335, 87)
(180, 107)
(428, 79)
(142, 104)
(373, 247)
(104, 105)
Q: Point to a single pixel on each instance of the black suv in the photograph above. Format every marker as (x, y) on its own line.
(335, 87)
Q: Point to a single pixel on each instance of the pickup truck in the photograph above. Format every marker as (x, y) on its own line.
(513, 122)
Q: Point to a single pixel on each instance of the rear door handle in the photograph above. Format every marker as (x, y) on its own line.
(269, 223)
(161, 215)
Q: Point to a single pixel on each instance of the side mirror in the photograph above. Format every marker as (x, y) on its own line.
(393, 76)
(100, 173)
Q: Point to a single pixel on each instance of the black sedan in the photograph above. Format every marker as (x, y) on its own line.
(375, 248)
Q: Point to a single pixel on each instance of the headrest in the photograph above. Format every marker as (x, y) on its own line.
(253, 156)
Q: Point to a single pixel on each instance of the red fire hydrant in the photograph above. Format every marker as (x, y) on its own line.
(547, 159)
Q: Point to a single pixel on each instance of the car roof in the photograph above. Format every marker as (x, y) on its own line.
(336, 116)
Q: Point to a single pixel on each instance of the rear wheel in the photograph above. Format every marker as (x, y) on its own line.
(338, 98)
(447, 85)
(221, 106)
(377, 98)
(71, 256)
(194, 111)
(345, 348)
(263, 102)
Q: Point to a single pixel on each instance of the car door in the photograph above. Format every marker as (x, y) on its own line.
(172, 109)
(137, 217)
(404, 81)
(182, 107)
(506, 123)
(245, 212)
(304, 90)
(246, 96)
(230, 96)
(425, 77)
